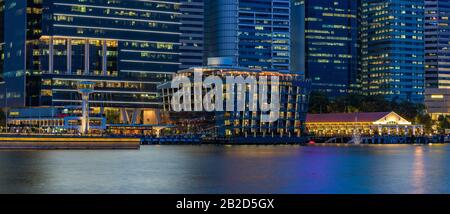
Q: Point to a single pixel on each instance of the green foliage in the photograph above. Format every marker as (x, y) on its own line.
(444, 123)
(2, 117)
(426, 121)
(320, 103)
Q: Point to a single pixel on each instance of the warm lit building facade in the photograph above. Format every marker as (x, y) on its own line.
(392, 48)
(437, 102)
(294, 98)
(52, 120)
(367, 124)
(255, 33)
(437, 57)
(125, 47)
(331, 45)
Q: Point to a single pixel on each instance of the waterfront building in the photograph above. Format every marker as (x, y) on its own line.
(437, 57)
(125, 47)
(254, 33)
(51, 120)
(325, 44)
(370, 124)
(246, 124)
(392, 48)
(68, 120)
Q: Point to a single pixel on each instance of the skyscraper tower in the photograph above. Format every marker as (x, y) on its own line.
(298, 47)
(2, 42)
(125, 47)
(254, 33)
(437, 57)
(192, 33)
(330, 44)
(392, 34)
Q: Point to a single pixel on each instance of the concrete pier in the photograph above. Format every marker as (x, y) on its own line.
(67, 142)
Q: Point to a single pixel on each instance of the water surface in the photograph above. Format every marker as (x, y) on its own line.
(230, 169)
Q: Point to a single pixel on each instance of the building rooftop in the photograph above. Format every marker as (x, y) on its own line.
(360, 117)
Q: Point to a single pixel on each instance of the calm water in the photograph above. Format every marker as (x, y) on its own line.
(230, 169)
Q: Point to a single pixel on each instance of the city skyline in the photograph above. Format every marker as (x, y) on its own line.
(224, 97)
(368, 47)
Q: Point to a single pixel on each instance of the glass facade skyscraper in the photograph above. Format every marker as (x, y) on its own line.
(392, 39)
(2, 42)
(437, 57)
(298, 48)
(437, 43)
(125, 47)
(330, 44)
(192, 33)
(254, 33)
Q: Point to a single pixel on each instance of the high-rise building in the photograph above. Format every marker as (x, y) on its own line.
(392, 40)
(437, 57)
(330, 34)
(125, 47)
(2, 42)
(192, 33)
(298, 48)
(254, 33)
(437, 43)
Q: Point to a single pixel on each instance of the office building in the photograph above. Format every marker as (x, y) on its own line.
(326, 44)
(437, 57)
(298, 48)
(2, 42)
(125, 47)
(192, 33)
(255, 33)
(392, 44)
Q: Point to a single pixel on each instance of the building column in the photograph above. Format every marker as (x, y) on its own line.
(86, 57)
(104, 58)
(50, 54)
(69, 56)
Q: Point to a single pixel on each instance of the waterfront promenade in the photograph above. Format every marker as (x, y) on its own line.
(67, 142)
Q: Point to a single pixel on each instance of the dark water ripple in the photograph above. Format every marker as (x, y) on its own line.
(230, 169)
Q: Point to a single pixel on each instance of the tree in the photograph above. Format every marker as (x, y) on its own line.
(318, 103)
(426, 121)
(2, 117)
(444, 123)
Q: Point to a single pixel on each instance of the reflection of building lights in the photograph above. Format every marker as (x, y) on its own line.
(418, 175)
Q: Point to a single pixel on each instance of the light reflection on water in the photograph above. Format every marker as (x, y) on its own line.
(230, 169)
